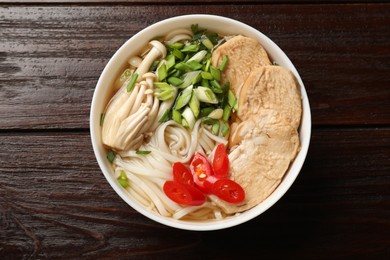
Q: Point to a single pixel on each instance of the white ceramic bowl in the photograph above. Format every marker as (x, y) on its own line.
(117, 63)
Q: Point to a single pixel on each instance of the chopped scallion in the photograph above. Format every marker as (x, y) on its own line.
(206, 111)
(224, 128)
(101, 118)
(131, 84)
(143, 152)
(176, 45)
(188, 79)
(226, 112)
(184, 98)
(205, 95)
(178, 54)
(170, 61)
(194, 65)
(232, 101)
(215, 73)
(189, 117)
(111, 156)
(207, 43)
(122, 179)
(208, 120)
(175, 81)
(207, 66)
(206, 75)
(164, 117)
(216, 87)
(190, 48)
(162, 72)
(154, 65)
(224, 62)
(215, 128)
(194, 104)
(176, 116)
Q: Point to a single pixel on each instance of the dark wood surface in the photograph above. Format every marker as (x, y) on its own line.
(56, 204)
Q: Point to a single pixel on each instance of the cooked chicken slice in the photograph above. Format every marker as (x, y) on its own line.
(264, 137)
(245, 54)
(259, 163)
(272, 88)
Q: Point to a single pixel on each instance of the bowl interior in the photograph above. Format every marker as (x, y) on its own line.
(117, 63)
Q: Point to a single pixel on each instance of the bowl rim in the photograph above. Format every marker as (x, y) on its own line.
(99, 152)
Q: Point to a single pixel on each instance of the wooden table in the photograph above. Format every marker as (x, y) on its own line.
(56, 203)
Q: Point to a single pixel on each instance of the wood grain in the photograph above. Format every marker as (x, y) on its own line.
(55, 203)
(51, 56)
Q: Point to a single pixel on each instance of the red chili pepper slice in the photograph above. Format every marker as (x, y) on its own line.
(201, 170)
(221, 162)
(229, 190)
(183, 194)
(182, 174)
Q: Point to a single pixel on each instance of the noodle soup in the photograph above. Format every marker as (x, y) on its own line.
(172, 103)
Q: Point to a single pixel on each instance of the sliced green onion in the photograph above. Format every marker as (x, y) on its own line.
(165, 91)
(162, 72)
(194, 65)
(170, 61)
(205, 95)
(184, 123)
(206, 75)
(162, 85)
(143, 152)
(131, 84)
(224, 62)
(215, 128)
(189, 117)
(111, 156)
(176, 45)
(188, 79)
(216, 87)
(154, 65)
(184, 98)
(207, 66)
(206, 111)
(224, 128)
(215, 73)
(183, 66)
(102, 119)
(164, 117)
(194, 104)
(216, 113)
(198, 57)
(165, 95)
(190, 48)
(197, 79)
(208, 120)
(226, 112)
(176, 116)
(232, 101)
(122, 179)
(205, 83)
(178, 54)
(207, 43)
(175, 81)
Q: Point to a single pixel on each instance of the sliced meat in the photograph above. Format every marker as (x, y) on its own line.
(260, 161)
(264, 137)
(272, 88)
(245, 54)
